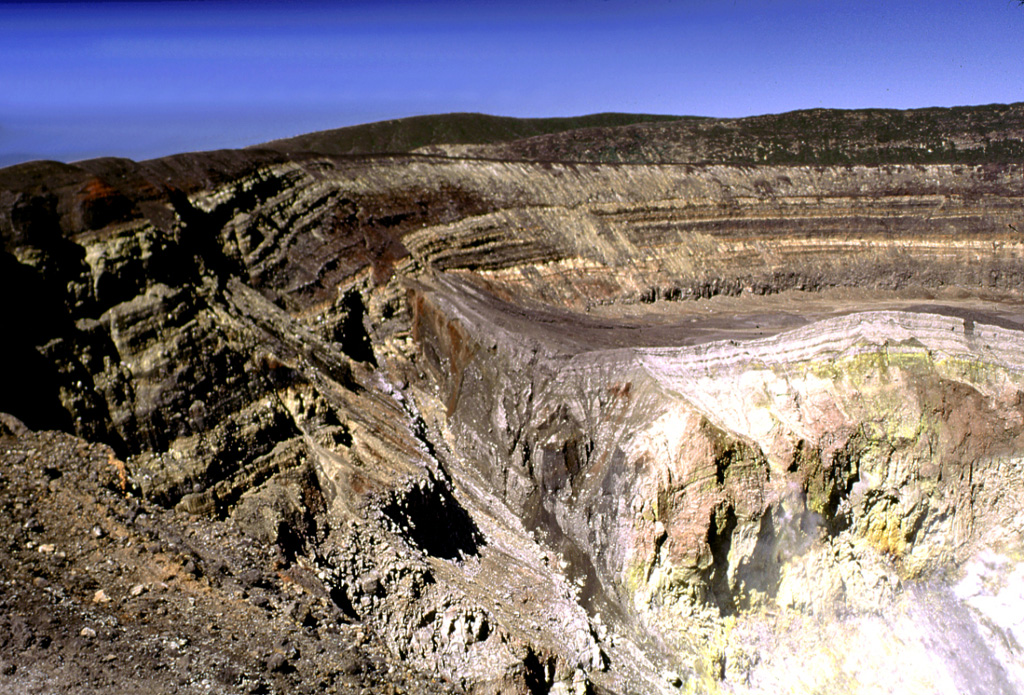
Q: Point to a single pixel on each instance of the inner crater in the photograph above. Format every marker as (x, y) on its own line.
(807, 486)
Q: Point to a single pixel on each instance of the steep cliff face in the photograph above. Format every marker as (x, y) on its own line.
(717, 493)
(545, 426)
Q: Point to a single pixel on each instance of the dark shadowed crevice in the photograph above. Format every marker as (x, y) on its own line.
(838, 480)
(535, 675)
(351, 331)
(723, 523)
(434, 521)
(200, 232)
(341, 600)
(31, 382)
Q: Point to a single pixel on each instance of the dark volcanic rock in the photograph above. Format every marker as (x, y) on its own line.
(309, 421)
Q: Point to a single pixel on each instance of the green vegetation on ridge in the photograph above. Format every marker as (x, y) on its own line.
(408, 134)
(964, 135)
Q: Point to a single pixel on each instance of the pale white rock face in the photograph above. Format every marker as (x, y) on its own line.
(865, 606)
(918, 636)
(789, 508)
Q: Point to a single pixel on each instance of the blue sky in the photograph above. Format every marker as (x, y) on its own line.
(84, 79)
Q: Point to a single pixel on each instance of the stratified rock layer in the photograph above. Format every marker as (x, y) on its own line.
(547, 426)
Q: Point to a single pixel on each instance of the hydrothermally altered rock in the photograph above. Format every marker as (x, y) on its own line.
(433, 424)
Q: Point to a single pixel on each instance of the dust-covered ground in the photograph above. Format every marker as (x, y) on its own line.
(102, 592)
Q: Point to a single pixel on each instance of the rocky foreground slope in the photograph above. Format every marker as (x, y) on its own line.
(414, 423)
